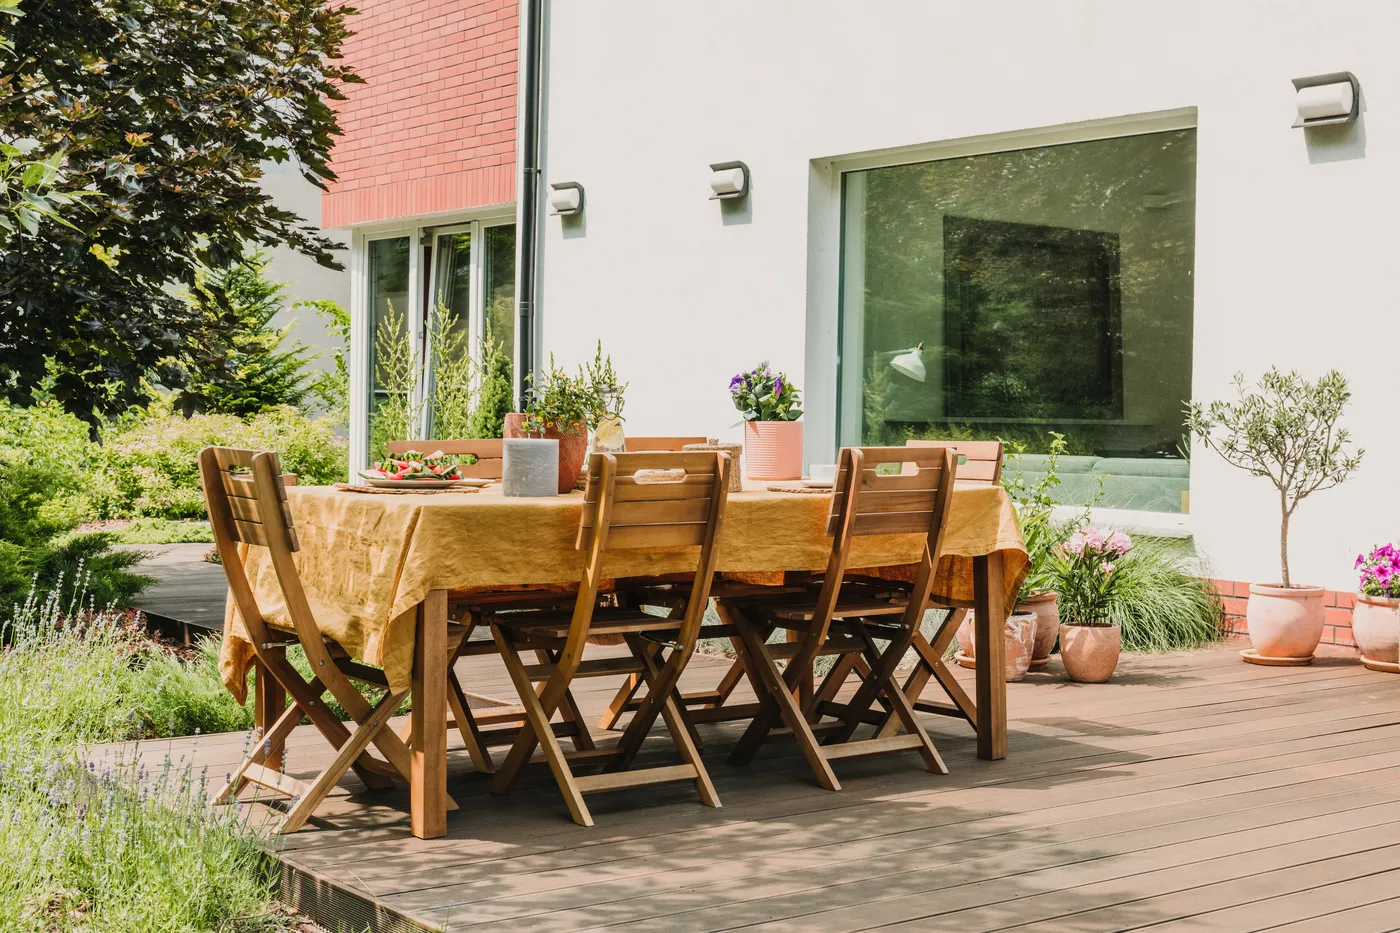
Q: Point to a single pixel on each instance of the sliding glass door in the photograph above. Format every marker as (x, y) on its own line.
(437, 340)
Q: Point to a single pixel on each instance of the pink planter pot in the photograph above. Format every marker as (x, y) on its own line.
(1375, 623)
(1019, 642)
(573, 448)
(1046, 606)
(773, 450)
(1285, 623)
(1090, 652)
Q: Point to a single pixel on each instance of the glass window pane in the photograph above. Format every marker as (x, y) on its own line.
(388, 288)
(1051, 290)
(499, 270)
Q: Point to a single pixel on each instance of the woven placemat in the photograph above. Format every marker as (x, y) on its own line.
(800, 489)
(371, 490)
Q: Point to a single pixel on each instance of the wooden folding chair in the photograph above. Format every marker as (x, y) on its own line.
(845, 621)
(628, 504)
(488, 453)
(654, 444)
(247, 500)
(978, 462)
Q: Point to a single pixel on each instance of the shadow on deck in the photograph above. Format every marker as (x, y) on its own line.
(1194, 791)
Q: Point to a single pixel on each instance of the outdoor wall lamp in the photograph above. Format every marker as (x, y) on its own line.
(728, 180)
(1327, 99)
(566, 198)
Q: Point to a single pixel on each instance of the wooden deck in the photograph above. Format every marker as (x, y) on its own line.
(1194, 792)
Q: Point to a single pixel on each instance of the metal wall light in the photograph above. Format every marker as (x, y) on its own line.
(566, 198)
(1323, 100)
(728, 180)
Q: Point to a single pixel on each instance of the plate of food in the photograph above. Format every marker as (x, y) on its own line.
(418, 471)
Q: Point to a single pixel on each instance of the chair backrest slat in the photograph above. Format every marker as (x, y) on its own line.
(899, 489)
(978, 461)
(637, 444)
(488, 453)
(228, 477)
(655, 499)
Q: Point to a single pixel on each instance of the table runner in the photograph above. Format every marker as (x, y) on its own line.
(367, 561)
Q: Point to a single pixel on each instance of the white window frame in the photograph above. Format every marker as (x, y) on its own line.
(362, 339)
(824, 276)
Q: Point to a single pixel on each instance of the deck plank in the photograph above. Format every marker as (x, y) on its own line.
(1192, 792)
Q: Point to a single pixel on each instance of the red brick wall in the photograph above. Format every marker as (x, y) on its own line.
(1336, 628)
(433, 129)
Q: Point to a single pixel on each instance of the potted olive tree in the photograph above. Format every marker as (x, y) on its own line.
(1285, 429)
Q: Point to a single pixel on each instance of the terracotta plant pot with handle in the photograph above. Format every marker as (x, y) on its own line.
(573, 447)
(1090, 652)
(1375, 623)
(773, 450)
(1046, 606)
(1285, 623)
(1019, 640)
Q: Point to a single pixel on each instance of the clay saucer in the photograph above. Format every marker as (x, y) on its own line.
(1388, 667)
(1254, 657)
(965, 661)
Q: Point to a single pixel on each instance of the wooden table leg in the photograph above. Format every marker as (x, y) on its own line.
(989, 588)
(269, 702)
(429, 719)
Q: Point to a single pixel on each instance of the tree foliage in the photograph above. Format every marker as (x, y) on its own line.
(165, 110)
(1285, 430)
(240, 363)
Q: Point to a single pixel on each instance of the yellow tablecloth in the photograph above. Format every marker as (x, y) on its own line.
(366, 561)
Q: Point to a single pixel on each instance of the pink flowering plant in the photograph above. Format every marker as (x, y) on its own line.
(763, 395)
(1087, 574)
(1380, 572)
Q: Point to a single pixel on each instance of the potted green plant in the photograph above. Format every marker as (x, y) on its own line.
(1086, 577)
(564, 407)
(1375, 620)
(1041, 533)
(1285, 430)
(771, 405)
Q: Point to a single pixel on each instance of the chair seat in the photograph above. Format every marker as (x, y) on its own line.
(845, 609)
(605, 622)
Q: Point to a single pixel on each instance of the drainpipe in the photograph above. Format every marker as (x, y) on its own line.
(530, 72)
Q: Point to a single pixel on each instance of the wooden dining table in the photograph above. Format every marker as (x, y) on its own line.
(381, 571)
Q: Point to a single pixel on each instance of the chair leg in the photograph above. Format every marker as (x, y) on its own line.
(536, 729)
(618, 706)
(376, 775)
(359, 740)
(832, 683)
(568, 709)
(931, 665)
(779, 704)
(894, 695)
(269, 702)
(679, 727)
(261, 754)
(466, 725)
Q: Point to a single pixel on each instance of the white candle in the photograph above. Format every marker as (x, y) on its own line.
(530, 466)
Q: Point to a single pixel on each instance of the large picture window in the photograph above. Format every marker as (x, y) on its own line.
(1017, 295)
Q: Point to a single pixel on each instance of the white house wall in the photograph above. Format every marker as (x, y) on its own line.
(1294, 238)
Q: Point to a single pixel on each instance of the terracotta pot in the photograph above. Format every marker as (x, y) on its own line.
(1046, 606)
(965, 635)
(573, 448)
(773, 450)
(1018, 639)
(1090, 652)
(1375, 623)
(1284, 622)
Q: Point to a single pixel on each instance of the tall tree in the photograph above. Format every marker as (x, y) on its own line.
(166, 110)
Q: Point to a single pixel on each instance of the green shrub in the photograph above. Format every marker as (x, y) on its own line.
(1164, 601)
(146, 467)
(164, 531)
(79, 567)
